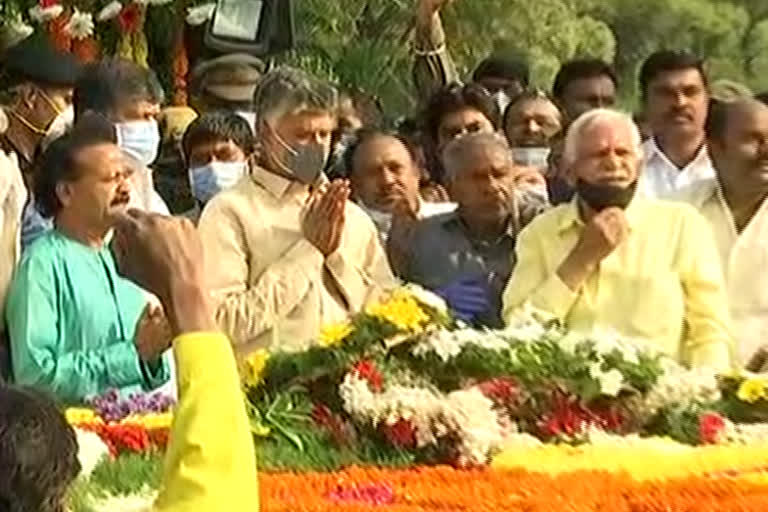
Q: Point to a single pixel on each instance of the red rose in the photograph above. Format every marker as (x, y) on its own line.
(401, 434)
(129, 18)
(367, 370)
(711, 428)
(44, 4)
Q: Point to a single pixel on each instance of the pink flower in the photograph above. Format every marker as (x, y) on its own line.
(372, 495)
(711, 428)
(367, 370)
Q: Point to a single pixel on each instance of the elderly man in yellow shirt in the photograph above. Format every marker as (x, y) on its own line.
(736, 205)
(287, 251)
(645, 268)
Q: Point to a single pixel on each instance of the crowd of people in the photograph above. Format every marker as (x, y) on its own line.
(308, 205)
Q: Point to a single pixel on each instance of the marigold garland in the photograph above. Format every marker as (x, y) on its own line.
(448, 489)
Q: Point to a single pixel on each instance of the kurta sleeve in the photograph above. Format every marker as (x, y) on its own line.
(247, 311)
(532, 284)
(35, 343)
(708, 340)
(204, 469)
(361, 281)
(433, 66)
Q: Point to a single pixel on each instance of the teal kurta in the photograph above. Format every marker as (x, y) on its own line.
(72, 320)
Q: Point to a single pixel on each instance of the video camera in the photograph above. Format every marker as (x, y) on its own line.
(256, 27)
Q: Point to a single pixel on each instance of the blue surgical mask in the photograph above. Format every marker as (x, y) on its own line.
(208, 180)
(140, 139)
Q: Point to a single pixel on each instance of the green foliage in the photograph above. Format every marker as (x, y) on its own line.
(366, 43)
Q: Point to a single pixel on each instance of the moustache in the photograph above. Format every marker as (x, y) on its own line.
(675, 112)
(121, 199)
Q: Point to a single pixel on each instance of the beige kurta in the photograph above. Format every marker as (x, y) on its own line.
(13, 195)
(275, 289)
(744, 258)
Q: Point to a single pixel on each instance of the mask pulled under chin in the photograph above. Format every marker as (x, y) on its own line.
(599, 197)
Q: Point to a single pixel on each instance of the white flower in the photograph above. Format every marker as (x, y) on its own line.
(200, 14)
(41, 15)
(80, 25)
(19, 29)
(140, 502)
(91, 450)
(109, 11)
(680, 388)
(427, 298)
(610, 381)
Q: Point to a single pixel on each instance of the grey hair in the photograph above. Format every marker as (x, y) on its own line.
(586, 121)
(287, 90)
(459, 154)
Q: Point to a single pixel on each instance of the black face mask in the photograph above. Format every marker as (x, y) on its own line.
(600, 197)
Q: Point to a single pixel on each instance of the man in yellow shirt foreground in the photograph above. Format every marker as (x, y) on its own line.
(648, 269)
(205, 471)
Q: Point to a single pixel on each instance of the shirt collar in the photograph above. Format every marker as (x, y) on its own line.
(653, 151)
(571, 216)
(278, 185)
(452, 221)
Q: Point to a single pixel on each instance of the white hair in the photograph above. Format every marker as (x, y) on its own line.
(587, 120)
(460, 153)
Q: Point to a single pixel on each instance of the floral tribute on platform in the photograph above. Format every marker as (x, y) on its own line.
(404, 385)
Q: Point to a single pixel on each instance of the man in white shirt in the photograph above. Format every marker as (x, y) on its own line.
(675, 94)
(735, 203)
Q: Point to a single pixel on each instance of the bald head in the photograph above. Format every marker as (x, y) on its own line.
(723, 115)
(463, 153)
(738, 143)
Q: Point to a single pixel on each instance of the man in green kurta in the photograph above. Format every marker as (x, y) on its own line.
(77, 328)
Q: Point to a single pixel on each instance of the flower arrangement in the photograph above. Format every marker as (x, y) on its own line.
(405, 377)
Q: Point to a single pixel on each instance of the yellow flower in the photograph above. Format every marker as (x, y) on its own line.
(751, 390)
(334, 334)
(402, 310)
(81, 415)
(254, 367)
(151, 421)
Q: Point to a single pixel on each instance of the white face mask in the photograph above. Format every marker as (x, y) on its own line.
(532, 157)
(60, 125)
(208, 180)
(140, 139)
(250, 117)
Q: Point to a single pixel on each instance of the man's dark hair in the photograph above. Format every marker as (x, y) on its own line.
(38, 452)
(219, 125)
(581, 69)
(58, 162)
(501, 67)
(104, 85)
(669, 60)
(364, 135)
(762, 96)
(456, 97)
